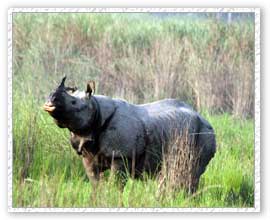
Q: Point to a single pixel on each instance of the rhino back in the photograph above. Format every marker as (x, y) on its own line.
(168, 115)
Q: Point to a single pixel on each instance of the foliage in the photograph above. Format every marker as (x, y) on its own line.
(206, 63)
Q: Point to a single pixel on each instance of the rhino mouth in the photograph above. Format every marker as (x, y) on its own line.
(49, 107)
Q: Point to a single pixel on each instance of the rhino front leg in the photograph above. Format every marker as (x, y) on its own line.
(91, 169)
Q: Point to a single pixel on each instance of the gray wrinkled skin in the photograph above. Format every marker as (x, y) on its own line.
(111, 133)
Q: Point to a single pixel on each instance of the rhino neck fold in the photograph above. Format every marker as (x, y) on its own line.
(101, 120)
(97, 120)
(98, 124)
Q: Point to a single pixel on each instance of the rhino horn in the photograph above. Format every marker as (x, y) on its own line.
(62, 84)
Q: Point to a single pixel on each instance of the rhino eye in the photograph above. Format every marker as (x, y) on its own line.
(73, 102)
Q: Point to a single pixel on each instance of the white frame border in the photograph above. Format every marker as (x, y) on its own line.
(256, 207)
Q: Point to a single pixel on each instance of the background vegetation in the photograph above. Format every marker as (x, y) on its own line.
(142, 58)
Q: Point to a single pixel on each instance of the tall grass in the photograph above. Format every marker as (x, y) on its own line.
(180, 165)
(48, 173)
(134, 56)
(204, 62)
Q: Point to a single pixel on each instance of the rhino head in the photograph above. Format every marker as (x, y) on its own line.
(70, 108)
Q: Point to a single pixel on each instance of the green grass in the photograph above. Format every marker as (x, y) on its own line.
(54, 175)
(203, 62)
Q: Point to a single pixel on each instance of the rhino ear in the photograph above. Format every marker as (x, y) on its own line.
(91, 86)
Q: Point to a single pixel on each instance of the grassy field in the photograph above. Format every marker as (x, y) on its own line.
(203, 62)
(48, 173)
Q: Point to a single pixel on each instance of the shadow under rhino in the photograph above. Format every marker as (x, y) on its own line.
(114, 134)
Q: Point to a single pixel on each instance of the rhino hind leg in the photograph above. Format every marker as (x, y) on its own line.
(207, 145)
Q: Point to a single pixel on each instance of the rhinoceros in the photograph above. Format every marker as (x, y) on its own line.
(110, 132)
